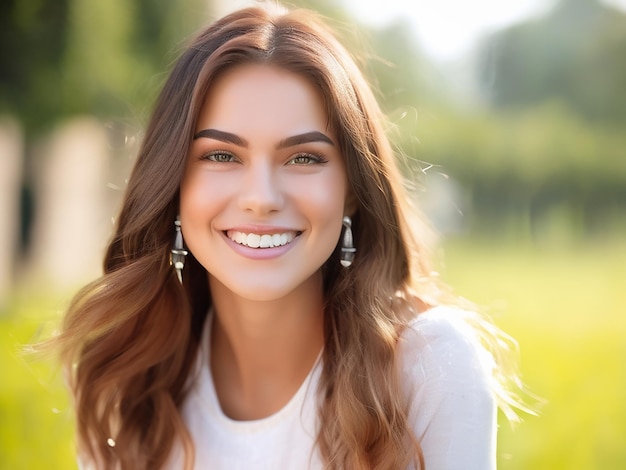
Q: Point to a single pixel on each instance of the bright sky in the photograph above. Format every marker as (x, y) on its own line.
(447, 29)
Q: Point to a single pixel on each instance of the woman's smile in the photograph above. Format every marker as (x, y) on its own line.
(262, 240)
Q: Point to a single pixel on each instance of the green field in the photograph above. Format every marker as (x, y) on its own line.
(564, 304)
(35, 419)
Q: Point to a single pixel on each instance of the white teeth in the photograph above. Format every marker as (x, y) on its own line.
(254, 240)
(266, 241)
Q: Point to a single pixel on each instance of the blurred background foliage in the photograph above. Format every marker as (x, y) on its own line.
(526, 137)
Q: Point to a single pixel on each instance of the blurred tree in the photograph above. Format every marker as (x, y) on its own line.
(74, 56)
(521, 168)
(576, 53)
(33, 37)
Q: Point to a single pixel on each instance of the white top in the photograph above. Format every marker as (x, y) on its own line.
(445, 372)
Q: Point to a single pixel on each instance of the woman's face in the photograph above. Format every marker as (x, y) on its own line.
(265, 186)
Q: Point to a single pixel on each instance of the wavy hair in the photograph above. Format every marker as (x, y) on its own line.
(129, 339)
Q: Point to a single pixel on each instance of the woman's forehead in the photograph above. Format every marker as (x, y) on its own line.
(263, 97)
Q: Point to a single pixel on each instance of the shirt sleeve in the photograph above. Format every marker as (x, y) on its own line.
(447, 376)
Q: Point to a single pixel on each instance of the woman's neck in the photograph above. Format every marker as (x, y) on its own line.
(261, 352)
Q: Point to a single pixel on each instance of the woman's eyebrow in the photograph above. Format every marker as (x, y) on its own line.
(307, 137)
(222, 136)
(228, 137)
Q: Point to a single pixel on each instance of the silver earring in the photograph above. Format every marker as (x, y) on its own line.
(178, 253)
(347, 245)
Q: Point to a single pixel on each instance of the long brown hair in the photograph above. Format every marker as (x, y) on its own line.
(130, 338)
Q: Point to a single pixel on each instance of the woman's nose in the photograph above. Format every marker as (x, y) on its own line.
(261, 190)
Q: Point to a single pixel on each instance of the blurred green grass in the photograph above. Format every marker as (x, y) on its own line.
(564, 303)
(36, 429)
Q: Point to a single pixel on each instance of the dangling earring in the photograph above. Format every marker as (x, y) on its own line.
(177, 258)
(347, 245)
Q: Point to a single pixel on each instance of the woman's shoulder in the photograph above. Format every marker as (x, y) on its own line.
(446, 375)
(443, 344)
(443, 326)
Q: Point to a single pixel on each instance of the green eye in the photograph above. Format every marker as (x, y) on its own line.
(220, 157)
(306, 159)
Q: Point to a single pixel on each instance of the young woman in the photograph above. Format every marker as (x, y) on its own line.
(267, 300)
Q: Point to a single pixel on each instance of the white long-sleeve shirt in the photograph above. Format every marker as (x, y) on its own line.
(444, 371)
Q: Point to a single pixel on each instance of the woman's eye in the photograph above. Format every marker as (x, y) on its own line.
(219, 157)
(306, 159)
